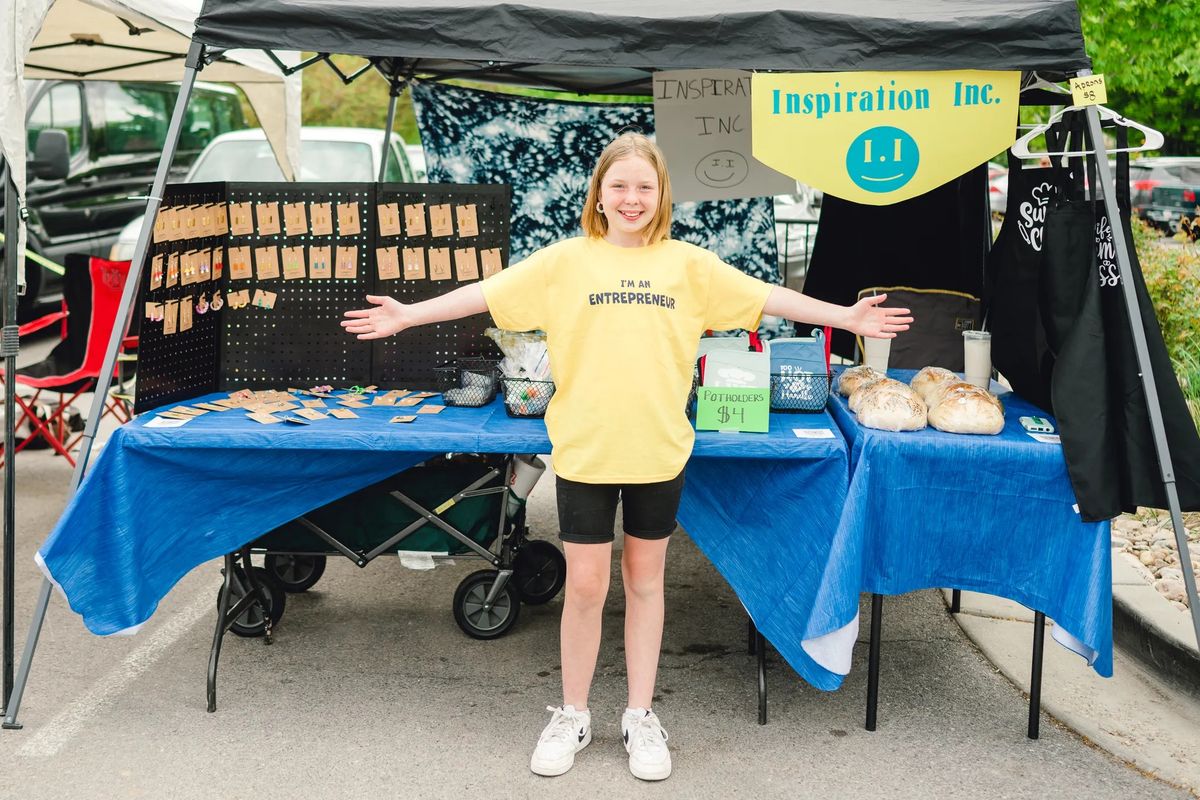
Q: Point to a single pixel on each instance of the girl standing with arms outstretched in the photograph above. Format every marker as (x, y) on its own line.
(623, 308)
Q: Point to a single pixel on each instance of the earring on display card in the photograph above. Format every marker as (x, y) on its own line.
(202, 303)
(217, 303)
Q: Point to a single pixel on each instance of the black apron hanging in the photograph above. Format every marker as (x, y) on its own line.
(1019, 348)
(1096, 390)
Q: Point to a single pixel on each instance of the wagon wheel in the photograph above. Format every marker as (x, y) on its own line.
(479, 620)
(539, 571)
(295, 573)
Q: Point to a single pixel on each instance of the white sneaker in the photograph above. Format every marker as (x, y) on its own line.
(646, 743)
(569, 732)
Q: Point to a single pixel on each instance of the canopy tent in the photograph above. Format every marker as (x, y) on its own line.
(615, 46)
(130, 40)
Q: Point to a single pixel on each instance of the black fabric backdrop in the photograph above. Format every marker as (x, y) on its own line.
(935, 241)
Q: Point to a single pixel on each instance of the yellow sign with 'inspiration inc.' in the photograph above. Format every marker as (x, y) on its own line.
(882, 137)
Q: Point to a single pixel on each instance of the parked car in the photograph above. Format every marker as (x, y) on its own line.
(997, 188)
(416, 159)
(1149, 173)
(351, 155)
(115, 133)
(1170, 204)
(796, 217)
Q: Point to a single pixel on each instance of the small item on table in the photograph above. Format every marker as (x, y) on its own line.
(430, 409)
(383, 400)
(313, 403)
(883, 383)
(930, 379)
(965, 408)
(889, 405)
(263, 417)
(855, 377)
(342, 413)
(403, 418)
(296, 420)
(211, 407)
(309, 413)
(409, 401)
(191, 412)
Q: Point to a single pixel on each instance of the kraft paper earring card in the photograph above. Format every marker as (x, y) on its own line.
(439, 263)
(266, 262)
(293, 263)
(218, 263)
(321, 223)
(347, 215)
(156, 272)
(491, 261)
(346, 265)
(263, 299)
(320, 262)
(267, 215)
(389, 219)
(154, 312)
(295, 223)
(160, 224)
(185, 269)
(414, 263)
(241, 223)
(414, 219)
(185, 313)
(190, 222)
(387, 261)
(170, 317)
(468, 221)
(172, 270)
(239, 264)
(466, 267)
(205, 227)
(220, 219)
(204, 259)
(440, 223)
(174, 225)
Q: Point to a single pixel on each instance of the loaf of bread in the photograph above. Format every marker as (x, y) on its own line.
(963, 408)
(889, 405)
(929, 379)
(880, 384)
(855, 377)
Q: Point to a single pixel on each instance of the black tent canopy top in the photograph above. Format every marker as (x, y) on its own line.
(616, 44)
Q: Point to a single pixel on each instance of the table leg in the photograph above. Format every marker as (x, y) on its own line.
(955, 601)
(214, 654)
(873, 660)
(761, 644)
(752, 635)
(1035, 677)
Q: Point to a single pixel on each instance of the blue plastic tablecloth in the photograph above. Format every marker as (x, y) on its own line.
(159, 501)
(991, 514)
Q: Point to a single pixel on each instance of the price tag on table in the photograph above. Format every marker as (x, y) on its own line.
(725, 409)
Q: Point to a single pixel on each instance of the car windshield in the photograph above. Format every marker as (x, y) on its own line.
(254, 161)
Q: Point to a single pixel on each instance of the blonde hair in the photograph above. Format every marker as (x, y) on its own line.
(629, 144)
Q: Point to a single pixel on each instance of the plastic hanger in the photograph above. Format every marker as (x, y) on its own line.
(1038, 82)
(1020, 148)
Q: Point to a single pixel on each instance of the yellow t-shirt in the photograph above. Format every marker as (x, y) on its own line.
(622, 326)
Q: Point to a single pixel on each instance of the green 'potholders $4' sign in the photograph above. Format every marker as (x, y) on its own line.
(726, 409)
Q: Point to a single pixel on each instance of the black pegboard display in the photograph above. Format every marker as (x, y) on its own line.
(299, 342)
(181, 365)
(408, 360)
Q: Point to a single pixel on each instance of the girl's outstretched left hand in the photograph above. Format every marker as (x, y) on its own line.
(868, 318)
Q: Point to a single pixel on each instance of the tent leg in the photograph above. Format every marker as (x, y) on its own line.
(387, 131)
(1143, 358)
(9, 346)
(193, 64)
(35, 630)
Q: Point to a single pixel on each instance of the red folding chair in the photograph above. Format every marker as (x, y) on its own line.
(91, 297)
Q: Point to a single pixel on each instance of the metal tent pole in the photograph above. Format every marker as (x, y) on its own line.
(1143, 358)
(393, 92)
(9, 345)
(193, 64)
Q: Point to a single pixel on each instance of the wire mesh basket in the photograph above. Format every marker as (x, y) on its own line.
(526, 398)
(467, 382)
(804, 393)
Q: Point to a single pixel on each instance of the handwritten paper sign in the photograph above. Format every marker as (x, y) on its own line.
(730, 409)
(702, 119)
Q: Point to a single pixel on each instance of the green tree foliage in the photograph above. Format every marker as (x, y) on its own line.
(1149, 53)
(362, 104)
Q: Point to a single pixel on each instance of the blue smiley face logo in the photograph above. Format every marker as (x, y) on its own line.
(882, 159)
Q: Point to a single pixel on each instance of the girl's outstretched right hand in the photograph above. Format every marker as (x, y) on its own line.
(387, 317)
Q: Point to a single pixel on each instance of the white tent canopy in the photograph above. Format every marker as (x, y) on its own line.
(129, 40)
